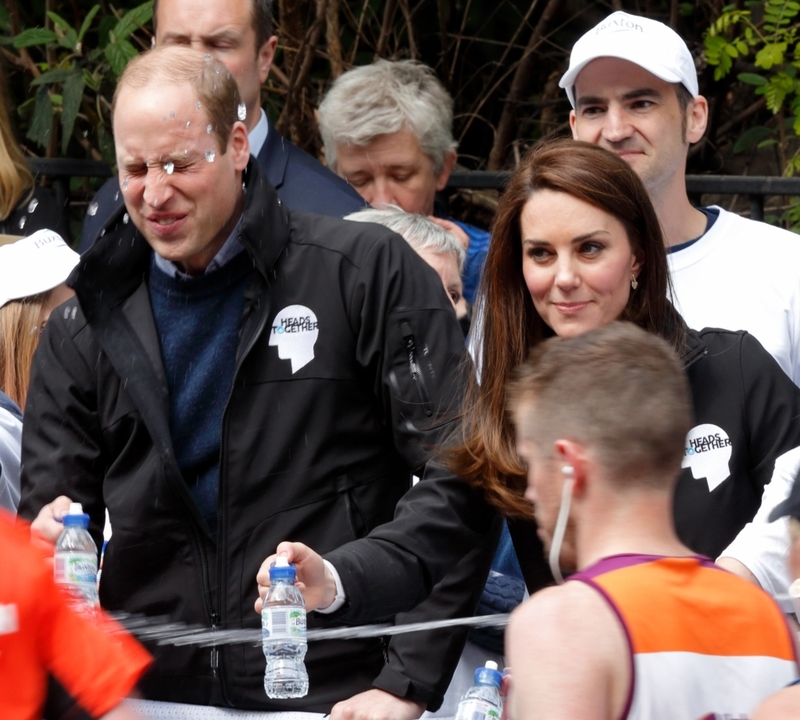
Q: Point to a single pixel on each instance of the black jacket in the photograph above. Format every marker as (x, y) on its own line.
(317, 450)
(301, 181)
(747, 414)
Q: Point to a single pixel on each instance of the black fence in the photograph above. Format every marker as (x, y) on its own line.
(756, 188)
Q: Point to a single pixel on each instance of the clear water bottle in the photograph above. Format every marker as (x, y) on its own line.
(283, 634)
(76, 561)
(482, 700)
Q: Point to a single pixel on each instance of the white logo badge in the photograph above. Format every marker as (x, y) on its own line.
(9, 621)
(708, 450)
(294, 331)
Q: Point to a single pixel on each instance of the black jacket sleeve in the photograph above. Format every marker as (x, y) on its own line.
(62, 448)
(421, 390)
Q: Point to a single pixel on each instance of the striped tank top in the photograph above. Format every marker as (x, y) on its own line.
(701, 639)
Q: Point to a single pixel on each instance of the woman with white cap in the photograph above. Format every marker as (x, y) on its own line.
(33, 272)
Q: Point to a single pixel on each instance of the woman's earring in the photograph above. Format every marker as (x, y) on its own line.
(634, 282)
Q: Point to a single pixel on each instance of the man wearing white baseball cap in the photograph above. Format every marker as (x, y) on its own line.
(33, 271)
(633, 88)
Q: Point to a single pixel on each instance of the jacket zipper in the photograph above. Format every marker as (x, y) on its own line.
(416, 373)
(215, 617)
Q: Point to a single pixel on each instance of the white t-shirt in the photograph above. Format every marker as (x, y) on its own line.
(743, 275)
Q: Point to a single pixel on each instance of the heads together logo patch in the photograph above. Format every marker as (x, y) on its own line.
(708, 452)
(294, 331)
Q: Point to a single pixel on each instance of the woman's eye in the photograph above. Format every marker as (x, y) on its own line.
(538, 254)
(591, 248)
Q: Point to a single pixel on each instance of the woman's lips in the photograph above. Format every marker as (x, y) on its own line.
(571, 307)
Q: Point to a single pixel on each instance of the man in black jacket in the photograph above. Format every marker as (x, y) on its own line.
(239, 34)
(232, 373)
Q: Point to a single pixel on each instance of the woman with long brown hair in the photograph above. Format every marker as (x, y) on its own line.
(576, 244)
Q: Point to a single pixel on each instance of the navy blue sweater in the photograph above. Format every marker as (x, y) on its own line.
(198, 321)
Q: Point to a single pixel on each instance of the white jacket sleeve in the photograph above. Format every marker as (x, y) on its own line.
(763, 546)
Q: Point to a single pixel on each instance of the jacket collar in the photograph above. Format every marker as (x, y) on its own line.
(115, 265)
(694, 348)
(274, 156)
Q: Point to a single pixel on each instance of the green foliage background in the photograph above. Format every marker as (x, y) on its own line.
(500, 59)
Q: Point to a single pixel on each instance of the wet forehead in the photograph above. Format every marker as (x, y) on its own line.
(160, 120)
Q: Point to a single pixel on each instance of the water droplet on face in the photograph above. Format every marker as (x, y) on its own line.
(172, 115)
(242, 112)
(22, 221)
(155, 202)
(207, 57)
(125, 184)
(211, 155)
(164, 119)
(32, 205)
(169, 167)
(188, 122)
(92, 209)
(125, 218)
(208, 129)
(198, 105)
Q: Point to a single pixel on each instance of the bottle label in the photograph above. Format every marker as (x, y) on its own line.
(283, 622)
(477, 710)
(79, 569)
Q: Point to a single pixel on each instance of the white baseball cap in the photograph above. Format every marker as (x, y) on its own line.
(34, 264)
(647, 43)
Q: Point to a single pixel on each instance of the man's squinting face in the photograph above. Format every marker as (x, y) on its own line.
(181, 191)
(223, 28)
(393, 170)
(629, 111)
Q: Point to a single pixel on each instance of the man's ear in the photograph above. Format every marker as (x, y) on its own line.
(573, 119)
(239, 145)
(265, 56)
(696, 119)
(447, 167)
(570, 453)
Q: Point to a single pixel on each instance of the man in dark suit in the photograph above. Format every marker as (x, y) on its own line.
(239, 33)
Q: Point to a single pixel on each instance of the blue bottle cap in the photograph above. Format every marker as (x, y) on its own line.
(282, 570)
(488, 675)
(76, 520)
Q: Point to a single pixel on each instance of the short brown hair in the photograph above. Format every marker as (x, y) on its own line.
(618, 390)
(262, 20)
(211, 80)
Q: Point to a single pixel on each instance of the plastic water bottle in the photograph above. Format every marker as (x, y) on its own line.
(283, 634)
(482, 700)
(76, 560)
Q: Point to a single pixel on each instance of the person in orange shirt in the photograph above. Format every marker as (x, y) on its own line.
(95, 661)
(645, 628)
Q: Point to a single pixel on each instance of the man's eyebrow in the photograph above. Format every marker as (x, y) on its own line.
(645, 92)
(222, 34)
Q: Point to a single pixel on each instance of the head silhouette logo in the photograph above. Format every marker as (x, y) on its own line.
(707, 453)
(294, 331)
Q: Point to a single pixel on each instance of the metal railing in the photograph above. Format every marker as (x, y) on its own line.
(756, 188)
